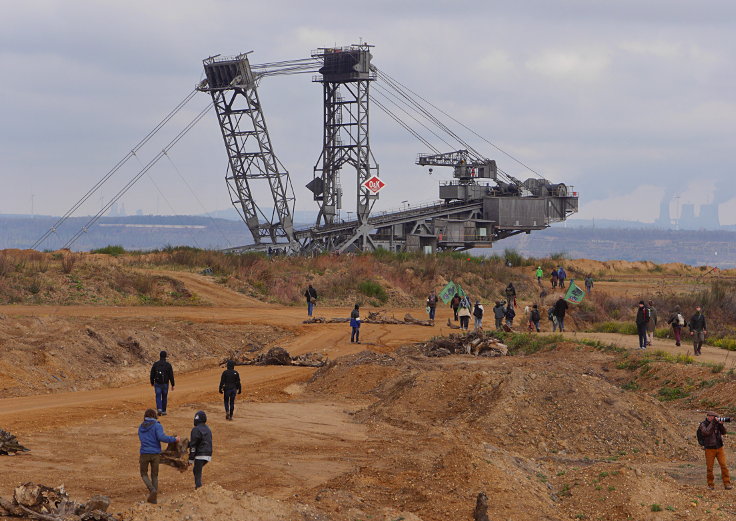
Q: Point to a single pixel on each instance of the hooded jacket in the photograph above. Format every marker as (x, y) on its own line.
(230, 379)
(499, 311)
(560, 308)
(200, 440)
(697, 322)
(151, 434)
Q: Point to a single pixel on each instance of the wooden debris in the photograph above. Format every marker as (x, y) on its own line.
(280, 356)
(32, 501)
(176, 455)
(9, 444)
(474, 343)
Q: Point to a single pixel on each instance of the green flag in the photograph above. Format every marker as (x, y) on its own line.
(448, 292)
(574, 294)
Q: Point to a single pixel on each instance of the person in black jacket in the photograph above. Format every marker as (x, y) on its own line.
(559, 312)
(642, 319)
(161, 375)
(229, 387)
(200, 446)
(711, 430)
(698, 330)
(311, 295)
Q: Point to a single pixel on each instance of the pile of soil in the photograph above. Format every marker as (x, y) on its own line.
(44, 354)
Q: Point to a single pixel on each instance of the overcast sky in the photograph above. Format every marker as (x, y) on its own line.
(629, 101)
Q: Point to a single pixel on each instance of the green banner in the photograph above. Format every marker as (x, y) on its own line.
(448, 292)
(574, 294)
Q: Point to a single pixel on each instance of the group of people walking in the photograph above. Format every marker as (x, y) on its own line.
(647, 319)
(151, 432)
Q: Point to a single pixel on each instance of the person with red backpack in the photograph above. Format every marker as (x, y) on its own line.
(642, 319)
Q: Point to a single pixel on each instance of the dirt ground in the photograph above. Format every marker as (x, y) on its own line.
(381, 434)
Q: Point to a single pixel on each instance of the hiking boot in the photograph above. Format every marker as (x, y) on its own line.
(163, 413)
(227, 416)
(152, 497)
(728, 487)
(158, 412)
(712, 487)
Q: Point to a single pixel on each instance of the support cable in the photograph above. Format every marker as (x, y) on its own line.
(388, 95)
(403, 124)
(114, 169)
(196, 198)
(136, 178)
(467, 128)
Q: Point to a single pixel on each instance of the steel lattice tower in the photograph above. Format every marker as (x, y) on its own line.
(346, 75)
(232, 85)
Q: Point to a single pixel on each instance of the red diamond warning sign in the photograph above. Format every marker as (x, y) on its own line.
(374, 184)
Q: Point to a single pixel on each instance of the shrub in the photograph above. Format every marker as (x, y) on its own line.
(656, 507)
(371, 288)
(113, 250)
(667, 394)
(624, 328)
(68, 261)
(6, 265)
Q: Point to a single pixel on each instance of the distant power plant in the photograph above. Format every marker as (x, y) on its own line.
(707, 218)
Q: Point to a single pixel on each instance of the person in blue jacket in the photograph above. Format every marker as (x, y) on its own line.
(151, 434)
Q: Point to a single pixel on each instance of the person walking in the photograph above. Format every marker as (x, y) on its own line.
(642, 317)
(559, 312)
(311, 296)
(355, 325)
(561, 276)
(677, 321)
(711, 431)
(698, 330)
(652, 324)
(511, 295)
(539, 274)
(589, 284)
(162, 374)
(510, 314)
(534, 318)
(554, 278)
(499, 312)
(464, 314)
(478, 315)
(229, 387)
(455, 305)
(200, 446)
(151, 435)
(432, 305)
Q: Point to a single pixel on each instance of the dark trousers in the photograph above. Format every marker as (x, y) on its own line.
(355, 334)
(677, 330)
(162, 395)
(642, 330)
(464, 322)
(153, 460)
(230, 400)
(198, 465)
(432, 309)
(454, 310)
(698, 339)
(499, 323)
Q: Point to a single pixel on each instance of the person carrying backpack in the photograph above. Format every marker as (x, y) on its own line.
(642, 318)
(554, 278)
(710, 436)
(589, 284)
(698, 330)
(510, 314)
(534, 318)
(200, 446)
(355, 324)
(539, 274)
(161, 375)
(561, 276)
(559, 312)
(455, 305)
(677, 321)
(478, 315)
(652, 324)
(511, 295)
(151, 435)
(229, 387)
